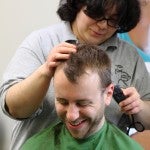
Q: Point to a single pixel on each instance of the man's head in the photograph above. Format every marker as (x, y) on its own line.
(82, 89)
(124, 14)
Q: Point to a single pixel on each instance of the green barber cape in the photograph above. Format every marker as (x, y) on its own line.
(57, 137)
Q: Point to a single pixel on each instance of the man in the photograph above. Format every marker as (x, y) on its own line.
(27, 91)
(83, 89)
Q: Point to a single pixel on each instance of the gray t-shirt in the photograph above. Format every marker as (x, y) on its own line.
(128, 69)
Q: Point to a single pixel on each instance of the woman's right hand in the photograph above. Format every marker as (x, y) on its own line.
(58, 53)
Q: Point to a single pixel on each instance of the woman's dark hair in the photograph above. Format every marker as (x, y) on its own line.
(128, 11)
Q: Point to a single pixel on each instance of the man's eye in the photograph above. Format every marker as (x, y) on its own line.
(62, 101)
(83, 104)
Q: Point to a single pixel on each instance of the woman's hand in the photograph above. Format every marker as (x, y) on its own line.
(57, 54)
(132, 104)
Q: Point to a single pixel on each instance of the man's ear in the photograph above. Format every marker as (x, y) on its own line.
(108, 94)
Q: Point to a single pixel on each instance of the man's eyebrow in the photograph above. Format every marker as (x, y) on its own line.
(78, 100)
(85, 99)
(59, 98)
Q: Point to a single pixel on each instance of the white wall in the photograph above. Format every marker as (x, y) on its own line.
(18, 18)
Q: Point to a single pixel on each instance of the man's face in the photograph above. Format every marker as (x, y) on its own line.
(80, 106)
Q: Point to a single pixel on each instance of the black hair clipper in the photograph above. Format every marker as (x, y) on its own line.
(118, 94)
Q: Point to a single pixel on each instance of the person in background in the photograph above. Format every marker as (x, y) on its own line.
(83, 88)
(140, 35)
(27, 93)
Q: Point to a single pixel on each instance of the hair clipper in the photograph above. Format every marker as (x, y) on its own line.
(118, 94)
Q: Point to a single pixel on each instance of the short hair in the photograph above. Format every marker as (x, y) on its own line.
(88, 57)
(128, 11)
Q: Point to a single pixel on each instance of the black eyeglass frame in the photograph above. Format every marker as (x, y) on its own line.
(110, 22)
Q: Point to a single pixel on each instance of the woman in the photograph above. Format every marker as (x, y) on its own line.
(27, 90)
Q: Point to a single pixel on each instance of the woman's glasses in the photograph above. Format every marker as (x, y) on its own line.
(110, 21)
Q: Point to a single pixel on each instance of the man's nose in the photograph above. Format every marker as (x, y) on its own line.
(72, 113)
(102, 24)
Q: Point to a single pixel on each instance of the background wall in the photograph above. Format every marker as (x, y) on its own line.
(18, 18)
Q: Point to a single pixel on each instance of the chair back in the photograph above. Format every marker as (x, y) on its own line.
(143, 138)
